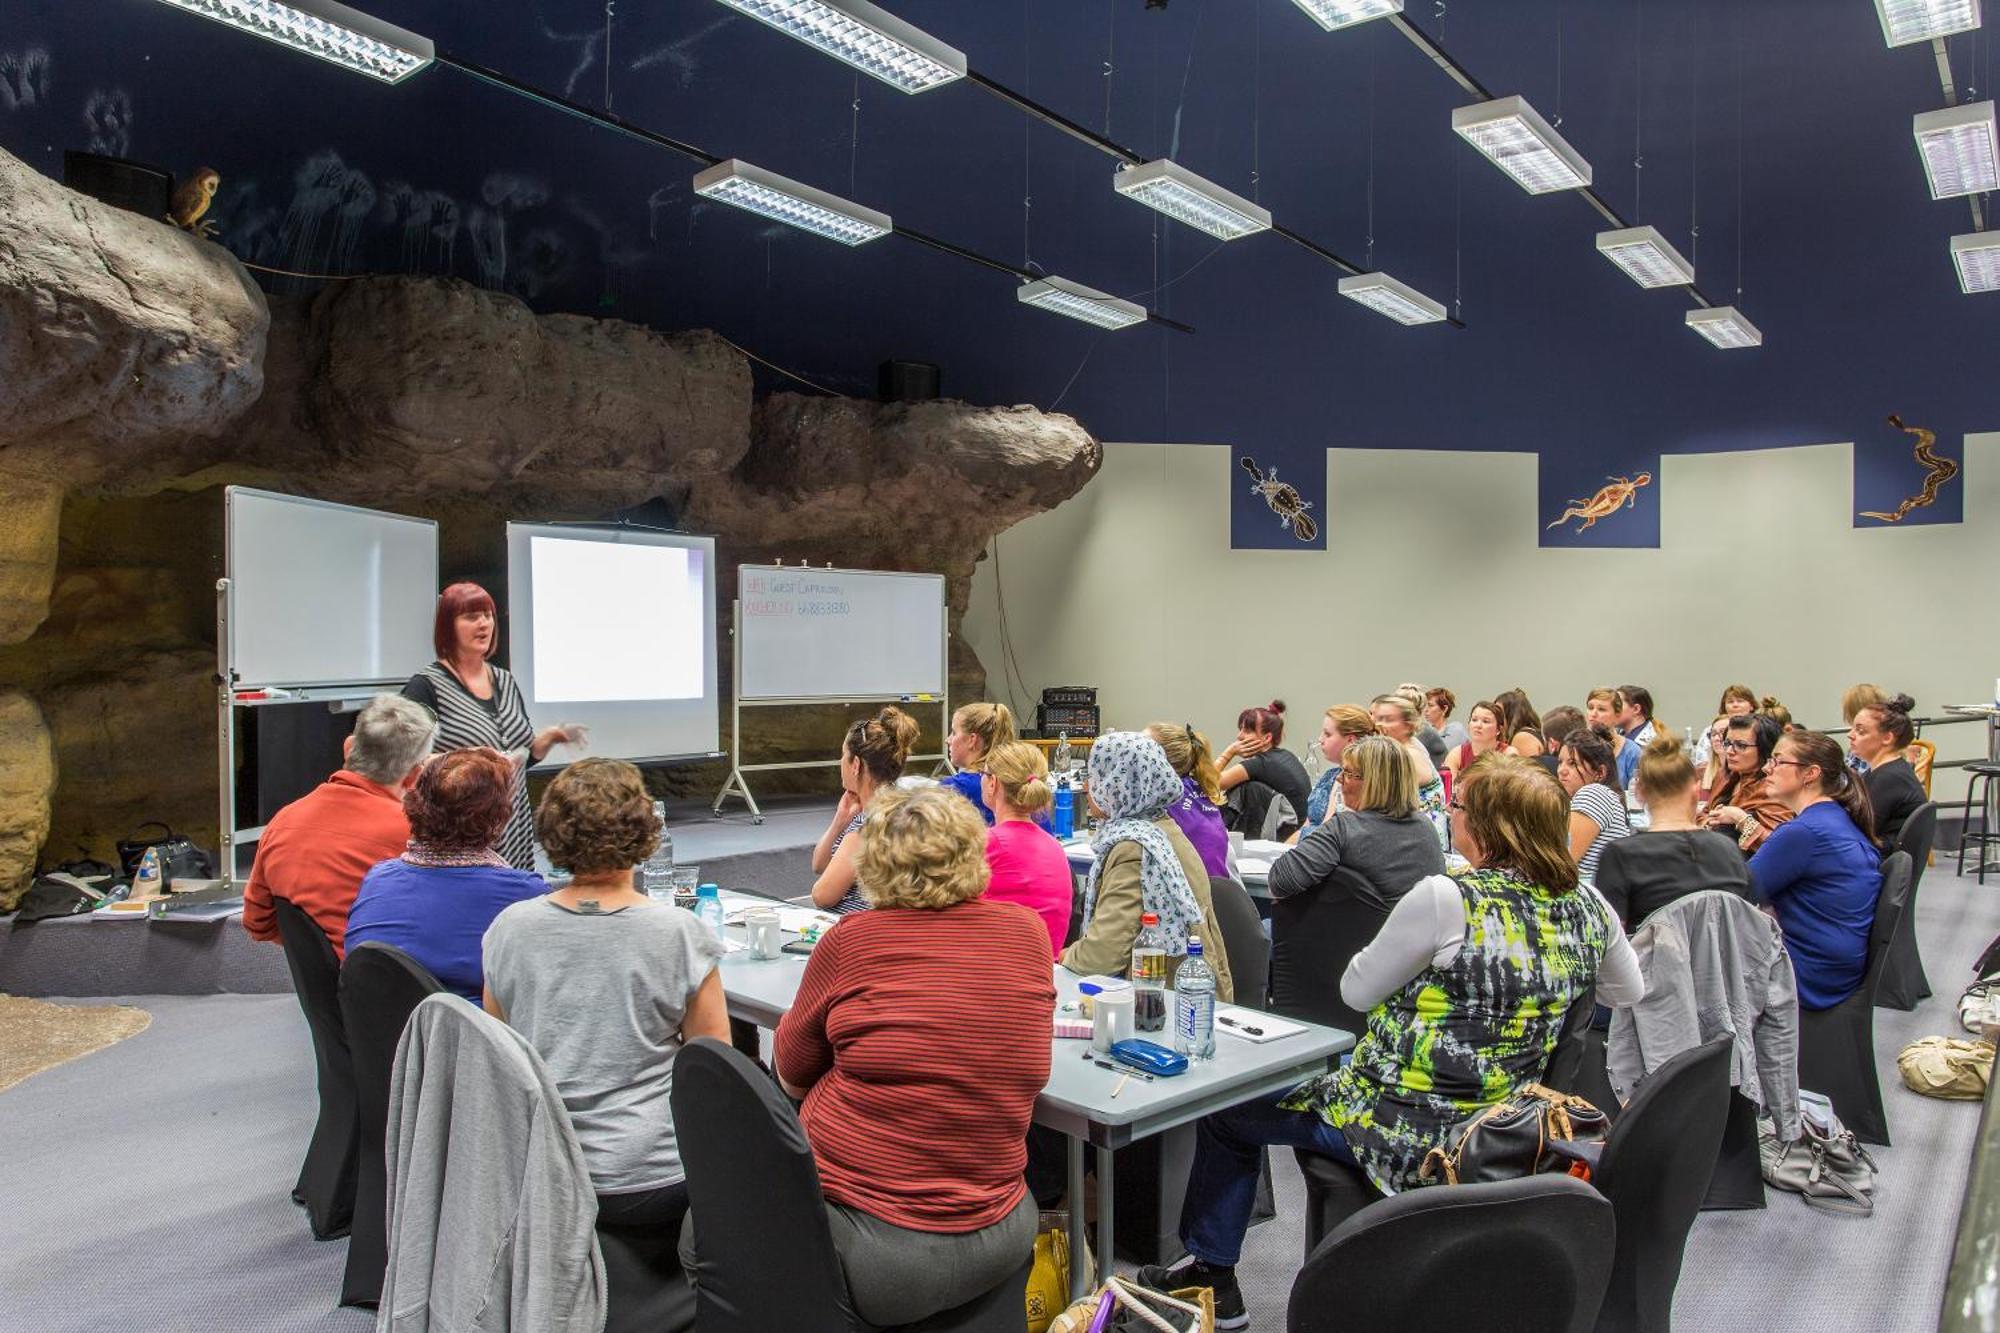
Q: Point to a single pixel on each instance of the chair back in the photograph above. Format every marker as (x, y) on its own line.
(1894, 897)
(380, 986)
(1566, 1061)
(326, 1179)
(1536, 1252)
(315, 978)
(1918, 834)
(1655, 1169)
(1279, 819)
(765, 1258)
(1243, 940)
(1922, 755)
(1313, 934)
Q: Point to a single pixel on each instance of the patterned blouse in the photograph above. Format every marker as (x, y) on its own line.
(1431, 804)
(1324, 799)
(466, 721)
(1464, 1036)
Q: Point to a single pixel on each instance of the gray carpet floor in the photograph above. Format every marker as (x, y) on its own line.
(146, 1187)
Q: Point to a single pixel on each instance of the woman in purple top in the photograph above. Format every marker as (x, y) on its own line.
(1196, 811)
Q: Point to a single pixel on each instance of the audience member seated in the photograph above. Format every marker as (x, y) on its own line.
(1778, 713)
(1396, 718)
(1597, 818)
(607, 985)
(436, 900)
(1257, 762)
(872, 755)
(1736, 701)
(1880, 739)
(1852, 701)
(1465, 989)
(1482, 737)
(919, 1141)
(315, 850)
(1558, 725)
(1198, 811)
(1379, 833)
(1144, 864)
(1636, 722)
(1028, 866)
(1426, 735)
(1673, 856)
(1707, 758)
(1602, 708)
(1438, 705)
(1740, 804)
(976, 731)
(1821, 872)
(1520, 723)
(1343, 725)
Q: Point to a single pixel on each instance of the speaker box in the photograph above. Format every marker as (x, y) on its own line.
(135, 186)
(907, 382)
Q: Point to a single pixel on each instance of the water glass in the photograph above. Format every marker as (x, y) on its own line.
(686, 879)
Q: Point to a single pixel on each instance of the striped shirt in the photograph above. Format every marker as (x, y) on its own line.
(466, 721)
(924, 1037)
(851, 901)
(1606, 809)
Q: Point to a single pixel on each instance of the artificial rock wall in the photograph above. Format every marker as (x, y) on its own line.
(141, 369)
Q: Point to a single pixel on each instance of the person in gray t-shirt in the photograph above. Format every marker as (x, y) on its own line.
(607, 986)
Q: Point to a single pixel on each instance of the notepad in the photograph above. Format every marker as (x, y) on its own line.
(1250, 1025)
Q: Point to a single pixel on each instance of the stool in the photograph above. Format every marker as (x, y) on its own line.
(1978, 792)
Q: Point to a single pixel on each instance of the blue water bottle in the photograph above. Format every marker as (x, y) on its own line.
(1065, 816)
(708, 909)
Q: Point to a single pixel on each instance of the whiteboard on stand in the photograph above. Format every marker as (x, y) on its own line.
(838, 633)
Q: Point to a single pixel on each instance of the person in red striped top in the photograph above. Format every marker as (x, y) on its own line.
(919, 1041)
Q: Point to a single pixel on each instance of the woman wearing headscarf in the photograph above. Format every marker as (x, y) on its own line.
(1144, 863)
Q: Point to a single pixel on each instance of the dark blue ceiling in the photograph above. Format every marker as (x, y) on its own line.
(1842, 254)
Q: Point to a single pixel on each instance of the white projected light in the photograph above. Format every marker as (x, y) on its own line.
(1725, 327)
(1959, 149)
(1978, 258)
(1183, 196)
(770, 195)
(334, 33)
(1646, 257)
(588, 648)
(1080, 302)
(1906, 21)
(1331, 14)
(872, 40)
(1385, 296)
(1522, 144)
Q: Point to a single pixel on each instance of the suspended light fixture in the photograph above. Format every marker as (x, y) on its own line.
(1646, 257)
(1064, 297)
(1959, 148)
(1172, 189)
(871, 39)
(1331, 14)
(1978, 258)
(336, 34)
(1522, 144)
(1906, 21)
(1386, 296)
(770, 195)
(1725, 327)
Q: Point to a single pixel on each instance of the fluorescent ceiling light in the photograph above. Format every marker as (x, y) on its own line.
(1385, 296)
(1522, 144)
(1185, 197)
(334, 33)
(1725, 327)
(1959, 149)
(1080, 302)
(1906, 21)
(1978, 258)
(770, 195)
(1646, 257)
(1331, 14)
(872, 40)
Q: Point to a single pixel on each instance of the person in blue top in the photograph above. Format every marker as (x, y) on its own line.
(976, 731)
(436, 900)
(1820, 871)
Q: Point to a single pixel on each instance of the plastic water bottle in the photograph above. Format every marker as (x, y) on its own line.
(708, 909)
(1194, 1005)
(1064, 755)
(146, 879)
(656, 876)
(1149, 977)
(1064, 820)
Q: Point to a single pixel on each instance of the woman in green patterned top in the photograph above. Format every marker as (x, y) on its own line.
(1465, 988)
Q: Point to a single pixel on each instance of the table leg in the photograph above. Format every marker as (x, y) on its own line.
(1079, 1227)
(1105, 1194)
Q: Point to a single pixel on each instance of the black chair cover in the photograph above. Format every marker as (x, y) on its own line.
(1837, 1045)
(1313, 934)
(1904, 984)
(645, 1289)
(326, 1180)
(379, 986)
(1530, 1255)
(1738, 1178)
(1242, 940)
(1655, 1168)
(1335, 1192)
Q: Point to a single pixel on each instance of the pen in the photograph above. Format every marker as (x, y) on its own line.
(1240, 1026)
(1103, 1063)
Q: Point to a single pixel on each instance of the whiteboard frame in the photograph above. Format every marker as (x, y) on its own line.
(944, 638)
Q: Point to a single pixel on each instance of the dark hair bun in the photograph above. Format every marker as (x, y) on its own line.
(1277, 705)
(1901, 703)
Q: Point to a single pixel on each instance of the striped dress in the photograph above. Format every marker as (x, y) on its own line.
(465, 721)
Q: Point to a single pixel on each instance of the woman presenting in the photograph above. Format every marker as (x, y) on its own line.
(478, 704)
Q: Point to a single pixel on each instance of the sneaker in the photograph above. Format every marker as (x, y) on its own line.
(1192, 1272)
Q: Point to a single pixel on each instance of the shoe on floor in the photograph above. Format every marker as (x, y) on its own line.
(1192, 1272)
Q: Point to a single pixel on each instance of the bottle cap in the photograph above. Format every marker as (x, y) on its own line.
(708, 891)
(1194, 947)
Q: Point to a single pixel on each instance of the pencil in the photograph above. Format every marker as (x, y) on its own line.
(1121, 1086)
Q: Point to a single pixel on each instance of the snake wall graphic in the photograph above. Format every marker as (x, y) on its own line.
(1941, 470)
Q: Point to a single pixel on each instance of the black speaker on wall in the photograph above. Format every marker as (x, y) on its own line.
(907, 382)
(145, 190)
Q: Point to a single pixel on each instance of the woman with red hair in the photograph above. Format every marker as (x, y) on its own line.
(478, 704)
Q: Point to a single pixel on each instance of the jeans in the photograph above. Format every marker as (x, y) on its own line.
(1222, 1185)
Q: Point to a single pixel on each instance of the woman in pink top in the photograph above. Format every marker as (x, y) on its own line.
(1029, 866)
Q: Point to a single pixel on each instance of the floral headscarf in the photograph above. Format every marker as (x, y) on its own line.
(1132, 782)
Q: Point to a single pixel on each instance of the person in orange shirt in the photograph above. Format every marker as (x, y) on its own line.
(315, 850)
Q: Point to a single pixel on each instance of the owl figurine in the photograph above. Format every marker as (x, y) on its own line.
(191, 200)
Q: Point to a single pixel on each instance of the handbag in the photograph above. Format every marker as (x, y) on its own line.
(1519, 1137)
(1946, 1067)
(179, 857)
(1136, 1309)
(1825, 1165)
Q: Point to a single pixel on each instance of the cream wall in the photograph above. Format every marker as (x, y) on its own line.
(1432, 573)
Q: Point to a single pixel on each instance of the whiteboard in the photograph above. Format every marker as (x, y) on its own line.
(838, 633)
(326, 594)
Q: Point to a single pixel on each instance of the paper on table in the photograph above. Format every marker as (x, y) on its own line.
(1267, 848)
(796, 920)
(1251, 1025)
(1250, 865)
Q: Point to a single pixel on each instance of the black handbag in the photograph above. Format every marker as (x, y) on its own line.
(1537, 1129)
(179, 857)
